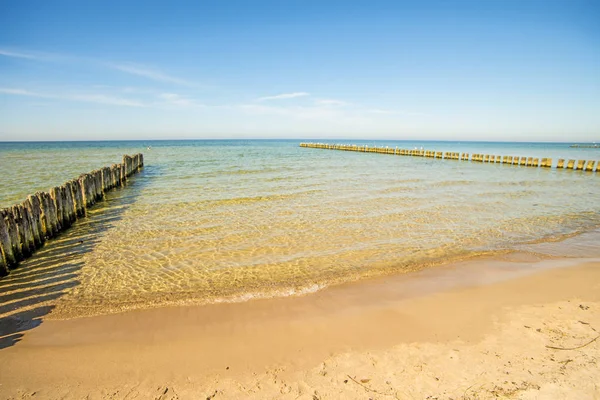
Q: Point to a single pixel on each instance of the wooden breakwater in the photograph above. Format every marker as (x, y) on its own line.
(581, 165)
(25, 227)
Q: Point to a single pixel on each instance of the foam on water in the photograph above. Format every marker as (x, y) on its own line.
(209, 222)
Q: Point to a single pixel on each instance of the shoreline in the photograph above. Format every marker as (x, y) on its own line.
(193, 349)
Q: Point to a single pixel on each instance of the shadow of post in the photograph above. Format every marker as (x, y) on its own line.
(30, 291)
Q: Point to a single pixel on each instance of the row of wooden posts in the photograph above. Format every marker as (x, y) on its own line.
(25, 227)
(484, 158)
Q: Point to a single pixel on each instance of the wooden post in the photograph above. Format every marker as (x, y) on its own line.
(70, 207)
(78, 197)
(13, 233)
(9, 259)
(124, 173)
(3, 264)
(523, 161)
(52, 216)
(56, 195)
(535, 163)
(24, 230)
(35, 210)
(106, 179)
(570, 164)
(561, 163)
(580, 165)
(97, 174)
(89, 191)
(590, 166)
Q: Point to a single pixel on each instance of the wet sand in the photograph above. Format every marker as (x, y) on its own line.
(479, 329)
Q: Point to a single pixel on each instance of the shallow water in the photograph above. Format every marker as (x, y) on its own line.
(211, 221)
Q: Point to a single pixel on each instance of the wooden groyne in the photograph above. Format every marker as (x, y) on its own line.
(25, 227)
(581, 165)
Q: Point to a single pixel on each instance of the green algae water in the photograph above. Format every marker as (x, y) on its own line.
(221, 221)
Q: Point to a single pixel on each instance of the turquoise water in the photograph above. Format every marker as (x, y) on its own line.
(213, 221)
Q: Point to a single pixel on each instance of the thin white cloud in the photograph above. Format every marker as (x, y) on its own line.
(298, 112)
(103, 99)
(331, 102)
(130, 68)
(19, 92)
(14, 54)
(77, 97)
(283, 96)
(380, 111)
(150, 73)
(395, 112)
(174, 99)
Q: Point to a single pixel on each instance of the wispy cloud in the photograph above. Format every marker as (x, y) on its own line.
(14, 54)
(127, 67)
(331, 102)
(299, 112)
(77, 97)
(283, 96)
(19, 92)
(395, 112)
(150, 73)
(174, 99)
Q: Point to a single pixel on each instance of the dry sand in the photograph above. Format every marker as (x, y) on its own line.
(474, 331)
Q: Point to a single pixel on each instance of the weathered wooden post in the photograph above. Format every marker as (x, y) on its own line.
(123, 173)
(25, 234)
(106, 179)
(9, 259)
(590, 166)
(97, 174)
(35, 210)
(56, 195)
(561, 163)
(78, 197)
(570, 164)
(70, 206)
(13, 233)
(84, 182)
(3, 264)
(50, 215)
(580, 164)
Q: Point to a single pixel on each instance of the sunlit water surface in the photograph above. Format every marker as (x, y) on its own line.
(213, 221)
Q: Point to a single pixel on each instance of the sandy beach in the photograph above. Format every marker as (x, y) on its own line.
(476, 330)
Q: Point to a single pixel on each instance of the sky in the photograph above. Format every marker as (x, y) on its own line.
(507, 70)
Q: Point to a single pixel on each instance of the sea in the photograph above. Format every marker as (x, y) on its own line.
(212, 221)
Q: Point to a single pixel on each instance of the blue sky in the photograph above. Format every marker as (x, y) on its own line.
(451, 70)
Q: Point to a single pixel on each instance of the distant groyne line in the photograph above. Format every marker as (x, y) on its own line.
(25, 227)
(581, 165)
